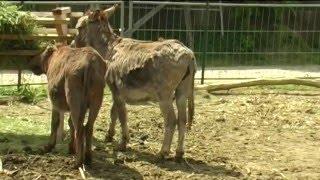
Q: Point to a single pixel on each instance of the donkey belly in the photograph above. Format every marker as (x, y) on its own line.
(138, 95)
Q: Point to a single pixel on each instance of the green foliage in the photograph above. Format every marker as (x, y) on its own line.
(14, 21)
(26, 93)
(31, 95)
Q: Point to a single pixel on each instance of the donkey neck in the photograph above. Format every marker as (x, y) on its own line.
(106, 47)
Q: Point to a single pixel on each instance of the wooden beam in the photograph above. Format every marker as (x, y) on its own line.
(259, 82)
(41, 14)
(187, 18)
(34, 37)
(44, 30)
(19, 78)
(61, 14)
(49, 14)
(144, 19)
(51, 20)
(61, 10)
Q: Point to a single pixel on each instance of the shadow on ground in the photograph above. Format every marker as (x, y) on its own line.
(23, 159)
(187, 165)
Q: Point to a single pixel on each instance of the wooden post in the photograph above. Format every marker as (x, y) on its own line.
(19, 78)
(204, 59)
(61, 14)
(62, 30)
(187, 18)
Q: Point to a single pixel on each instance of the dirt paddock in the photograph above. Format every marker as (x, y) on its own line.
(249, 133)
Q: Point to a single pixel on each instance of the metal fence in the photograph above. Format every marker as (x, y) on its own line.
(223, 34)
(233, 34)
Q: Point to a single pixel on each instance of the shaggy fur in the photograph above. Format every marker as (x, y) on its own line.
(75, 84)
(139, 71)
(130, 54)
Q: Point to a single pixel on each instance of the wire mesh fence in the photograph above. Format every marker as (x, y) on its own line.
(224, 34)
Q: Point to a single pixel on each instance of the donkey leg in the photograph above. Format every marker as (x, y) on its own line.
(72, 149)
(55, 120)
(181, 102)
(170, 124)
(113, 117)
(123, 117)
(94, 107)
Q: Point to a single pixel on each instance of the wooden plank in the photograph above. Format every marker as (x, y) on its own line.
(19, 78)
(34, 37)
(61, 14)
(61, 10)
(76, 14)
(51, 20)
(19, 53)
(49, 14)
(54, 31)
(41, 14)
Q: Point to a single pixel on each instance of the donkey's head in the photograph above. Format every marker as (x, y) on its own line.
(94, 28)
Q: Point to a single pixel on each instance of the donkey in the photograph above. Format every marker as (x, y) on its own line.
(141, 71)
(75, 84)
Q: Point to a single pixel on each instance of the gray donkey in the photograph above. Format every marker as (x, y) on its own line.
(141, 71)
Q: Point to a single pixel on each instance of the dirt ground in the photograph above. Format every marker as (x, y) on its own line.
(248, 133)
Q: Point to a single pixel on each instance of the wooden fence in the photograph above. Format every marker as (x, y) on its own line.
(54, 26)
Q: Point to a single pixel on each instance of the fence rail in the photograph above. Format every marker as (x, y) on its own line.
(223, 34)
(232, 34)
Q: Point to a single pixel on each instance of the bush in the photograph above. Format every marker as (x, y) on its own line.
(14, 21)
(25, 94)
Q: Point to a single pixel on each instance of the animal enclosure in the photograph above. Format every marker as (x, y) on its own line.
(221, 34)
(260, 132)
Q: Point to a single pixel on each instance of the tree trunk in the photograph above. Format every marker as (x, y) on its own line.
(260, 82)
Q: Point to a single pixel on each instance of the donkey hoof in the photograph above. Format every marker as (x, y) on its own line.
(108, 138)
(88, 159)
(179, 157)
(71, 149)
(78, 165)
(47, 148)
(122, 147)
(189, 127)
(162, 156)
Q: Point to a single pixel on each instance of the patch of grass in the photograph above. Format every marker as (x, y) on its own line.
(32, 95)
(26, 94)
(18, 134)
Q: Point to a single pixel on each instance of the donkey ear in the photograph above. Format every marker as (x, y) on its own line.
(88, 12)
(110, 11)
(95, 15)
(50, 49)
(82, 22)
